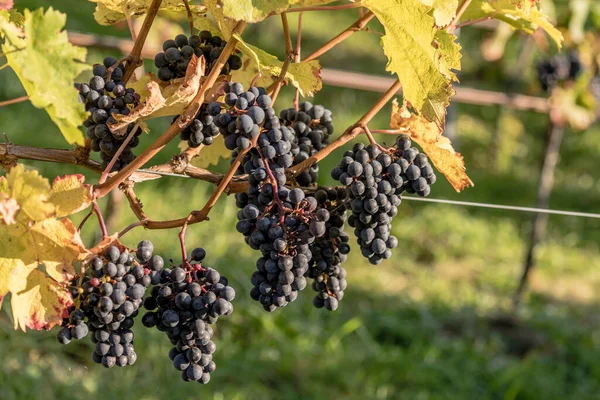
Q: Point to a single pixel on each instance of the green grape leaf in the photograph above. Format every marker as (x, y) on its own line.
(443, 10)
(523, 15)
(110, 12)
(305, 76)
(37, 251)
(47, 65)
(410, 46)
(257, 10)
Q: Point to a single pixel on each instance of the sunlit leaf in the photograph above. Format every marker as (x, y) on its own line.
(109, 12)
(70, 194)
(443, 10)
(257, 10)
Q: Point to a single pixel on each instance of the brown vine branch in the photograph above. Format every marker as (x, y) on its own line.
(135, 56)
(350, 133)
(100, 219)
(75, 157)
(355, 27)
(13, 101)
(461, 10)
(179, 124)
(134, 202)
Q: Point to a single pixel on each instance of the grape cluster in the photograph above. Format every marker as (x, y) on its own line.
(312, 127)
(202, 129)
(560, 68)
(330, 251)
(249, 111)
(375, 181)
(104, 97)
(172, 63)
(186, 301)
(107, 299)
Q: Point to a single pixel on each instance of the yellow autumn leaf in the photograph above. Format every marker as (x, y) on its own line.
(257, 10)
(211, 155)
(410, 46)
(443, 10)
(70, 194)
(32, 193)
(437, 147)
(40, 303)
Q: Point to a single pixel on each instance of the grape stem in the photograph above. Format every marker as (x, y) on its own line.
(289, 56)
(182, 240)
(461, 10)
(136, 51)
(190, 17)
(112, 162)
(372, 139)
(297, 56)
(13, 101)
(100, 219)
(275, 188)
(84, 221)
(130, 24)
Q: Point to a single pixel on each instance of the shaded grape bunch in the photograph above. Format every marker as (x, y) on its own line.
(108, 300)
(330, 251)
(558, 69)
(202, 129)
(104, 98)
(246, 115)
(183, 304)
(172, 63)
(312, 127)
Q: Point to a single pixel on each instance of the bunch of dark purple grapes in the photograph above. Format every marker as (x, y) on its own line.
(330, 251)
(107, 299)
(559, 69)
(183, 304)
(104, 97)
(172, 63)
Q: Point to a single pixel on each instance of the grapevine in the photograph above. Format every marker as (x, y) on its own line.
(212, 85)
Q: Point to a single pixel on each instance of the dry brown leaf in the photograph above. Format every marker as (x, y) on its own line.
(437, 147)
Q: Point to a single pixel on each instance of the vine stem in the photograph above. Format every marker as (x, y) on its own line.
(289, 56)
(84, 221)
(190, 17)
(350, 133)
(182, 239)
(461, 10)
(355, 27)
(325, 8)
(13, 101)
(112, 162)
(134, 202)
(472, 22)
(181, 122)
(136, 52)
(298, 54)
(100, 219)
(372, 139)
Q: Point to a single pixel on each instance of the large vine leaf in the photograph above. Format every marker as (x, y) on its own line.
(70, 194)
(257, 10)
(109, 12)
(33, 238)
(409, 44)
(520, 14)
(437, 147)
(305, 76)
(443, 10)
(47, 64)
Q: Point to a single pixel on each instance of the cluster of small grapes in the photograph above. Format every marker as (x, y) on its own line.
(330, 251)
(172, 63)
(187, 299)
(312, 127)
(248, 114)
(107, 301)
(104, 97)
(202, 129)
(375, 181)
(560, 68)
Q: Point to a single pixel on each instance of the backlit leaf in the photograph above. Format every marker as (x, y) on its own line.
(109, 12)
(257, 10)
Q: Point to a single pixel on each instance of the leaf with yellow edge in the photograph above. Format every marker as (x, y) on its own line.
(305, 76)
(32, 193)
(409, 44)
(40, 303)
(443, 10)
(211, 155)
(437, 147)
(47, 65)
(523, 15)
(109, 12)
(70, 194)
(257, 10)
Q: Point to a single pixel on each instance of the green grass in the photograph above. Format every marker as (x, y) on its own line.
(433, 322)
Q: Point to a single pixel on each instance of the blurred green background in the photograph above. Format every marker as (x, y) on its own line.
(433, 322)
